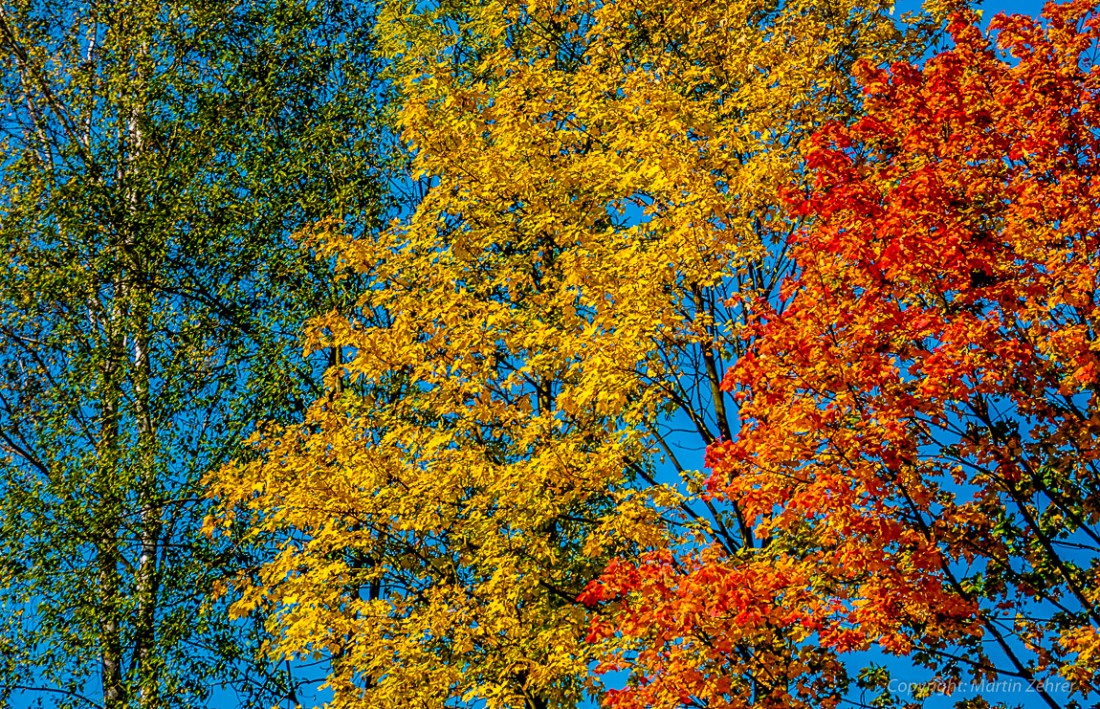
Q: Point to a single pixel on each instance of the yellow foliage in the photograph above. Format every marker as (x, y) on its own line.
(598, 218)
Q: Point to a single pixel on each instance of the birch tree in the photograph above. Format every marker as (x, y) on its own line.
(158, 156)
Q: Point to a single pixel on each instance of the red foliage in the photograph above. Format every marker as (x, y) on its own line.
(919, 453)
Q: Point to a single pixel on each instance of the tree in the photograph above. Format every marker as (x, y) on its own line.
(598, 217)
(157, 157)
(918, 450)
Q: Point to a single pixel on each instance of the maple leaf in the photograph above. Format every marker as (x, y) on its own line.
(919, 439)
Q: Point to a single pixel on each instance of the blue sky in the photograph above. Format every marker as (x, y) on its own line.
(989, 8)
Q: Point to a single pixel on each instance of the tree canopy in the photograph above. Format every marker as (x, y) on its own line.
(493, 354)
(600, 216)
(918, 444)
(157, 157)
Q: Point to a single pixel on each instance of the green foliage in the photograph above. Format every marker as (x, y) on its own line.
(158, 156)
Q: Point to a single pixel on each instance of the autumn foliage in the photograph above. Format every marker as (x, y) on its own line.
(615, 204)
(918, 447)
(597, 211)
(655, 354)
